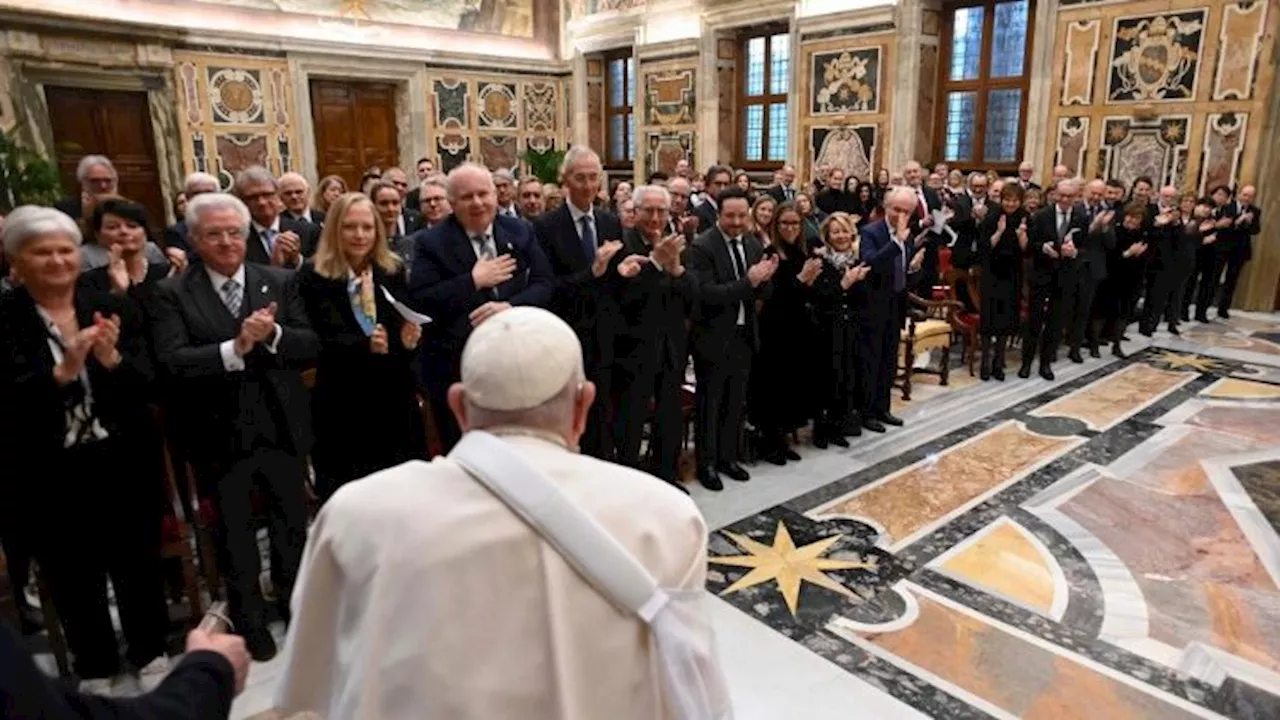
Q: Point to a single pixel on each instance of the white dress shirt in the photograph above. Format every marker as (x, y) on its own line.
(231, 362)
(577, 216)
(262, 235)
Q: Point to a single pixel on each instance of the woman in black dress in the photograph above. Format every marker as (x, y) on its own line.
(364, 410)
(121, 227)
(865, 208)
(839, 297)
(1002, 240)
(781, 399)
(1126, 265)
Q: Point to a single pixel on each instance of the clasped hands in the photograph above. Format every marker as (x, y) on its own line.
(410, 334)
(259, 326)
(100, 338)
(287, 250)
(902, 231)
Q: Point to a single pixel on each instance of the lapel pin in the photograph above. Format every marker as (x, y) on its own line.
(264, 289)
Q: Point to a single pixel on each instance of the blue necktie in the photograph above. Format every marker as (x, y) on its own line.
(588, 238)
(269, 237)
(899, 271)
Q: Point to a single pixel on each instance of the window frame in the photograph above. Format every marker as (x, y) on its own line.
(764, 100)
(628, 108)
(981, 87)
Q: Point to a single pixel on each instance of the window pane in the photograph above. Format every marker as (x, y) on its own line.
(962, 107)
(1000, 140)
(753, 138)
(779, 64)
(966, 43)
(617, 138)
(617, 81)
(631, 137)
(631, 81)
(778, 132)
(1009, 39)
(755, 66)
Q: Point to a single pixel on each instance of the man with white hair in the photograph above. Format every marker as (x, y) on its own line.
(469, 268)
(234, 337)
(273, 239)
(97, 176)
(784, 189)
(1246, 222)
(421, 632)
(295, 193)
(505, 184)
(197, 183)
(581, 242)
(1026, 175)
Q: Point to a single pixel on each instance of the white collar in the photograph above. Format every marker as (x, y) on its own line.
(218, 279)
(488, 233)
(577, 214)
(275, 226)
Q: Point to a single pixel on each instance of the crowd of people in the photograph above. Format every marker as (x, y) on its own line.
(280, 330)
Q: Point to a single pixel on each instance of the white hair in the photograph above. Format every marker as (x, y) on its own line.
(554, 415)
(897, 192)
(504, 174)
(28, 222)
(199, 178)
(466, 168)
(208, 202)
(639, 194)
(255, 174)
(434, 181)
(88, 162)
(575, 154)
(294, 176)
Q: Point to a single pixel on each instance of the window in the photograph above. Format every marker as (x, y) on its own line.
(766, 78)
(620, 118)
(983, 83)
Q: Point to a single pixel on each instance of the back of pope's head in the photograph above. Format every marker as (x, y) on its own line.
(523, 368)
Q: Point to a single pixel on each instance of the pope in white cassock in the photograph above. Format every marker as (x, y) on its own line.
(422, 595)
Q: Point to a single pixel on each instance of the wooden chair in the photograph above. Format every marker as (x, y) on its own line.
(177, 535)
(967, 323)
(930, 326)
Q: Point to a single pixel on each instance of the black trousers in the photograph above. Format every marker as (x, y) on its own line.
(632, 388)
(1164, 297)
(877, 342)
(102, 521)
(1202, 287)
(1234, 262)
(1044, 322)
(597, 439)
(1077, 290)
(722, 400)
(635, 391)
(279, 476)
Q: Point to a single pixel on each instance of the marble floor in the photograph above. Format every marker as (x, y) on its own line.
(1100, 546)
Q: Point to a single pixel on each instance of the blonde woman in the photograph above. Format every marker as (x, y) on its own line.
(839, 299)
(364, 410)
(762, 211)
(327, 192)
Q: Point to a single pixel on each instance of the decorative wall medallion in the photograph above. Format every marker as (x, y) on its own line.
(540, 106)
(1073, 139)
(850, 148)
(235, 96)
(1080, 61)
(189, 92)
(668, 148)
(499, 151)
(280, 95)
(846, 81)
(452, 102)
(239, 151)
(497, 105)
(1155, 57)
(669, 97)
(1224, 135)
(540, 143)
(1155, 149)
(452, 147)
(1239, 42)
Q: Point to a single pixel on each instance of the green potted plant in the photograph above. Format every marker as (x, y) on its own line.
(26, 177)
(544, 165)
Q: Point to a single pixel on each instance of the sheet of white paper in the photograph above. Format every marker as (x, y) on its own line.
(405, 311)
(939, 223)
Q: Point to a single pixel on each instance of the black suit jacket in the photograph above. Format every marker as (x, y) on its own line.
(779, 194)
(308, 235)
(412, 221)
(188, 323)
(440, 284)
(654, 309)
(175, 236)
(1043, 228)
(72, 205)
(708, 214)
(581, 299)
(721, 293)
(966, 249)
(317, 217)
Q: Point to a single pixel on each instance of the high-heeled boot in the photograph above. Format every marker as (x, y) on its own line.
(997, 358)
(984, 360)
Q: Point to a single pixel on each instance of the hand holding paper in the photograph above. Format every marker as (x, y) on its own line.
(406, 312)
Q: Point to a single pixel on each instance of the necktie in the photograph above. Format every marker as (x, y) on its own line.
(588, 238)
(269, 237)
(900, 270)
(232, 297)
(1063, 221)
(924, 206)
(485, 243)
(738, 264)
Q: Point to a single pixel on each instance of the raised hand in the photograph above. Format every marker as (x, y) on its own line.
(1101, 220)
(231, 647)
(902, 230)
(1022, 233)
(74, 352)
(1224, 222)
(1207, 225)
(917, 260)
(667, 252)
(1001, 224)
(689, 223)
(378, 340)
(980, 212)
(287, 249)
(1136, 249)
(410, 334)
(1049, 250)
(632, 265)
(853, 275)
(604, 255)
(104, 344)
(762, 271)
(492, 272)
(1210, 239)
(812, 268)
(117, 271)
(1069, 248)
(1163, 219)
(177, 260)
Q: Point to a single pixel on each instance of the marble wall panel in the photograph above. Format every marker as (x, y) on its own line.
(452, 102)
(670, 96)
(497, 106)
(234, 111)
(1073, 140)
(1133, 148)
(666, 148)
(669, 116)
(539, 105)
(499, 151)
(926, 99)
(1156, 57)
(852, 148)
(1222, 148)
(1081, 54)
(493, 119)
(452, 149)
(1239, 48)
(845, 119)
(846, 81)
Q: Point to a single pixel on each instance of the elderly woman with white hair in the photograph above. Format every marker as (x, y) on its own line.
(73, 373)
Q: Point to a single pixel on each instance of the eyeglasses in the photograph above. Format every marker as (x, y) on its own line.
(432, 200)
(788, 223)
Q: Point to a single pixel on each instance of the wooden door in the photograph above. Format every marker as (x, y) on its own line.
(355, 128)
(114, 123)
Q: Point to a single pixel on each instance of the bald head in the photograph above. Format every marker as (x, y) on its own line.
(913, 173)
(294, 192)
(1095, 191)
(1247, 194)
(473, 196)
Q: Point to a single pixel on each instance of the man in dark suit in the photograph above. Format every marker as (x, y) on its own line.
(650, 347)
(1246, 221)
(273, 239)
(465, 270)
(425, 169)
(295, 193)
(784, 186)
(197, 183)
(234, 337)
(732, 273)
(97, 176)
(1054, 233)
(1092, 259)
(411, 220)
(894, 252)
(581, 242)
(927, 201)
(680, 218)
(971, 209)
(1026, 175)
(718, 178)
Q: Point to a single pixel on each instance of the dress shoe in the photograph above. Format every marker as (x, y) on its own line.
(889, 419)
(791, 455)
(1146, 332)
(1173, 330)
(1224, 314)
(1094, 352)
(1117, 351)
(998, 373)
(261, 646)
(1201, 317)
(734, 471)
(820, 439)
(1074, 356)
(873, 425)
(1046, 373)
(984, 374)
(853, 428)
(1024, 372)
(774, 457)
(1186, 317)
(710, 479)
(839, 441)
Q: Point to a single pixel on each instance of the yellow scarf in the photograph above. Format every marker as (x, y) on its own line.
(367, 301)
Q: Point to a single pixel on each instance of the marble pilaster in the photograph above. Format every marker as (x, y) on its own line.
(1040, 65)
(1259, 286)
(581, 123)
(906, 86)
(708, 147)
